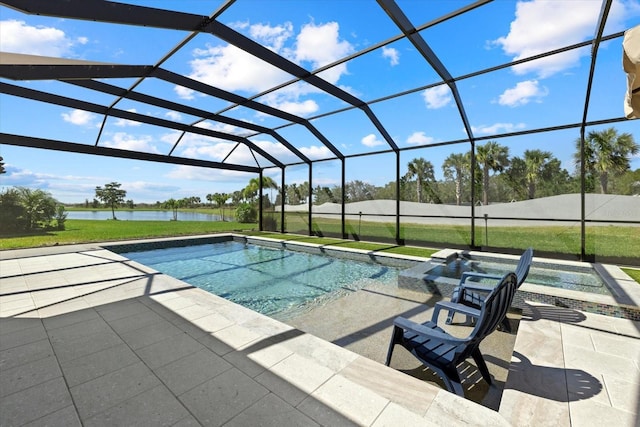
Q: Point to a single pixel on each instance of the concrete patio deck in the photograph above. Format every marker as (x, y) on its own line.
(90, 338)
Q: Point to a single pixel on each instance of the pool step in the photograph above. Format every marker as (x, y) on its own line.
(445, 256)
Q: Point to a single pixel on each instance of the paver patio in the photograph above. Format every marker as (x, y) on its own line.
(90, 338)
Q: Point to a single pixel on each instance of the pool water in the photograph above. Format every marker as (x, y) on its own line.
(578, 280)
(274, 282)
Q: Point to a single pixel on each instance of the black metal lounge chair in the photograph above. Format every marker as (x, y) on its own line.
(442, 352)
(476, 292)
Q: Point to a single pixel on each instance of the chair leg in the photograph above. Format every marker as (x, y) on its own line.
(482, 366)
(396, 338)
(451, 380)
(449, 318)
(505, 325)
(455, 297)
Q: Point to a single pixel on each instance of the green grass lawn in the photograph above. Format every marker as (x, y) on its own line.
(612, 241)
(82, 231)
(634, 273)
(367, 246)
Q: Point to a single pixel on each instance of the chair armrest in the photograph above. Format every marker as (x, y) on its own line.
(419, 329)
(477, 287)
(454, 307)
(474, 286)
(469, 274)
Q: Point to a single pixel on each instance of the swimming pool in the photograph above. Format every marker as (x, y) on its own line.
(275, 282)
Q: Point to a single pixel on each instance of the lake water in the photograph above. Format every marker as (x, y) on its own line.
(135, 215)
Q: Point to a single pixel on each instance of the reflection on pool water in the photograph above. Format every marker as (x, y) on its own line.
(583, 280)
(275, 282)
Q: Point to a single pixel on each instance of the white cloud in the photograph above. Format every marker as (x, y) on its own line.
(277, 150)
(174, 115)
(217, 126)
(19, 37)
(184, 92)
(391, 54)
(497, 128)
(316, 152)
(232, 69)
(125, 141)
(194, 145)
(419, 138)
(216, 151)
(200, 146)
(437, 97)
(274, 37)
(24, 178)
(303, 108)
(125, 122)
(79, 117)
(522, 94)
(205, 174)
(541, 25)
(371, 140)
(321, 45)
(148, 186)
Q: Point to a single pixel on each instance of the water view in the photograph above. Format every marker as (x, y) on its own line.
(136, 215)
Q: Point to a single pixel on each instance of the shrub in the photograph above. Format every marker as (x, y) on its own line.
(24, 209)
(12, 213)
(61, 217)
(246, 213)
(269, 224)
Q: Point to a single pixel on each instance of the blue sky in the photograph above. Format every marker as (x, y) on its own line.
(538, 94)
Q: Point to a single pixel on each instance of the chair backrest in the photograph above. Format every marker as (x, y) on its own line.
(522, 269)
(492, 312)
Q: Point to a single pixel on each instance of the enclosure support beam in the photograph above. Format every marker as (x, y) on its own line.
(64, 101)
(72, 147)
(310, 199)
(343, 229)
(282, 201)
(260, 208)
(602, 20)
(398, 195)
(402, 21)
(472, 161)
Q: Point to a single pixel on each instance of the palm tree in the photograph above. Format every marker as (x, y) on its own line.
(174, 205)
(236, 197)
(534, 160)
(606, 153)
(220, 199)
(254, 185)
(492, 157)
(454, 168)
(422, 170)
(268, 182)
(249, 192)
(303, 192)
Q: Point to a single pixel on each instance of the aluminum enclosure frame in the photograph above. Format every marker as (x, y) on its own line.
(86, 74)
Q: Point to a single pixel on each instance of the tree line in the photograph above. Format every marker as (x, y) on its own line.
(498, 177)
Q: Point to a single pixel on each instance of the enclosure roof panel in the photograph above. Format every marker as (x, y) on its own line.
(319, 80)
